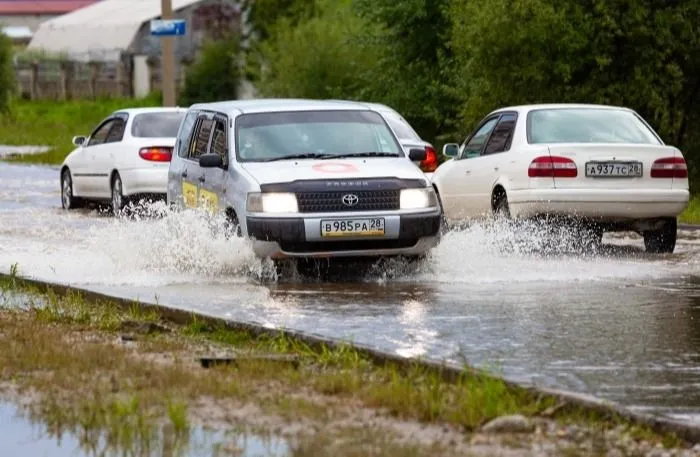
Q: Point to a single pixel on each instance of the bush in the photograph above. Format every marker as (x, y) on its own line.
(215, 76)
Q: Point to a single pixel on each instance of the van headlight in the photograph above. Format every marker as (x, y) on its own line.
(272, 202)
(418, 198)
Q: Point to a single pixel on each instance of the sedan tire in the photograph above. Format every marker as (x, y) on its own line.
(118, 199)
(663, 240)
(68, 201)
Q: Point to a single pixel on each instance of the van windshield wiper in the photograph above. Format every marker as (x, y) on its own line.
(306, 155)
(367, 154)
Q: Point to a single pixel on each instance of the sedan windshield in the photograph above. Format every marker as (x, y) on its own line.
(262, 137)
(156, 125)
(587, 125)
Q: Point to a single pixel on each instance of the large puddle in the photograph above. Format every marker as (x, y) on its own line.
(21, 436)
(620, 323)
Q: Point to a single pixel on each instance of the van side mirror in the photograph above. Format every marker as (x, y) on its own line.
(416, 154)
(450, 150)
(211, 160)
(78, 140)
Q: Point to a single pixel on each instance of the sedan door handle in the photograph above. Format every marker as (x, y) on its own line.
(468, 172)
(184, 174)
(495, 168)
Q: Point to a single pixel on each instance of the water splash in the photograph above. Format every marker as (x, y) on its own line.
(151, 244)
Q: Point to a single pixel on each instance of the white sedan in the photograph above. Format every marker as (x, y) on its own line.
(124, 158)
(602, 167)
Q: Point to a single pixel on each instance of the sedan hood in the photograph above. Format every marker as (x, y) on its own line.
(294, 170)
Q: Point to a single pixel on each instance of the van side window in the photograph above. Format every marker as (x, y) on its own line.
(201, 139)
(183, 139)
(218, 140)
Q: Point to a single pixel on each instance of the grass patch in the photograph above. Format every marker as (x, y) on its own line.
(54, 124)
(127, 392)
(691, 215)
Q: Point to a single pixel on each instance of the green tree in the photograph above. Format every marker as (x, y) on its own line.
(414, 74)
(321, 57)
(7, 75)
(216, 75)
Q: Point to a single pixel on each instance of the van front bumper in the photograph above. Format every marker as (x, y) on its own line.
(412, 234)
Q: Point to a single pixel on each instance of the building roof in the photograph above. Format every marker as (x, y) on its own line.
(48, 7)
(18, 32)
(104, 28)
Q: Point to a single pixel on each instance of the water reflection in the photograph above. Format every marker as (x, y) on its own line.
(22, 436)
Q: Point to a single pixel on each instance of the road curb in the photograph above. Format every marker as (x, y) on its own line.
(448, 371)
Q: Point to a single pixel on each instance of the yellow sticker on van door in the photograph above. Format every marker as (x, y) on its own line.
(209, 200)
(189, 194)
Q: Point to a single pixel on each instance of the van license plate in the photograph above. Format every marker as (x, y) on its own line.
(352, 227)
(614, 169)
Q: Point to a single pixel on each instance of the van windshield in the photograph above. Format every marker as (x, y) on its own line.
(587, 125)
(271, 136)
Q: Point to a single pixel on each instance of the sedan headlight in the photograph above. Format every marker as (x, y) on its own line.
(272, 202)
(418, 198)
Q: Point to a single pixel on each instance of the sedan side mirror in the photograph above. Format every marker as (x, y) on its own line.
(78, 140)
(211, 160)
(416, 154)
(450, 150)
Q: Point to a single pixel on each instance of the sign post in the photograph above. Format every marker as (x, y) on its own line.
(160, 28)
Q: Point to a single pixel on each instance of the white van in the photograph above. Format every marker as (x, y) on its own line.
(305, 178)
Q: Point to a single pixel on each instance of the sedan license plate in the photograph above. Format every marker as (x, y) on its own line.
(352, 227)
(614, 169)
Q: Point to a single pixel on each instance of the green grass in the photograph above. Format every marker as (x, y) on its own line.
(54, 124)
(692, 214)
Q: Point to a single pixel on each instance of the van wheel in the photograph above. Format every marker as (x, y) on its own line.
(663, 240)
(232, 226)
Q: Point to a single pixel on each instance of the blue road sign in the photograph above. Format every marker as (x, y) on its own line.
(168, 27)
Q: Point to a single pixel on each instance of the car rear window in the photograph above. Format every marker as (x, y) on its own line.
(401, 127)
(156, 125)
(587, 125)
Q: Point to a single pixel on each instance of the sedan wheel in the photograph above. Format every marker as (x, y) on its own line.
(663, 240)
(68, 201)
(117, 195)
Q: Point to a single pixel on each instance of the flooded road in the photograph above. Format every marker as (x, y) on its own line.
(620, 324)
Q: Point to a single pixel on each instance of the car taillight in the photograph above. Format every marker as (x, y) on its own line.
(552, 167)
(157, 154)
(431, 162)
(669, 167)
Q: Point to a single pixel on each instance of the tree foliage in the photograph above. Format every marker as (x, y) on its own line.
(216, 75)
(318, 58)
(7, 75)
(413, 74)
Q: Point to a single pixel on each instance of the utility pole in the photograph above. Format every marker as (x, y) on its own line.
(167, 58)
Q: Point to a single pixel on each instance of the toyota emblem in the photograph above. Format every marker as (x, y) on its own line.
(350, 199)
